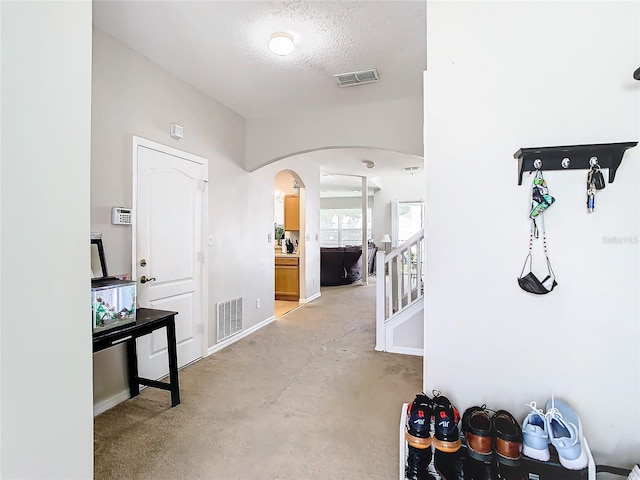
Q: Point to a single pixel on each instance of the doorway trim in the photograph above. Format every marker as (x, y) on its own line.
(204, 281)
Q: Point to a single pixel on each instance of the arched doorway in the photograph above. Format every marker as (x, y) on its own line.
(288, 241)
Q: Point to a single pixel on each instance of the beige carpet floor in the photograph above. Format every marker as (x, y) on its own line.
(305, 397)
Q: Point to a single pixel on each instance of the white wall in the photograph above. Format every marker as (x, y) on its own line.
(47, 422)
(261, 216)
(344, 202)
(404, 188)
(410, 333)
(392, 125)
(132, 96)
(505, 75)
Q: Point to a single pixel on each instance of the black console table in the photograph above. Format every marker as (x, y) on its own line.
(147, 320)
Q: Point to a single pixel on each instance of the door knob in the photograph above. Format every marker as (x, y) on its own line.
(144, 279)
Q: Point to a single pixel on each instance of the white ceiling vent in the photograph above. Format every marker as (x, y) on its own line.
(356, 78)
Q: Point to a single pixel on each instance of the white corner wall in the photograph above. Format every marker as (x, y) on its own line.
(260, 252)
(408, 335)
(47, 420)
(505, 75)
(133, 96)
(404, 188)
(391, 125)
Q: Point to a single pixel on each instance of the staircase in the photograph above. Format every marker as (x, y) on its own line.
(400, 298)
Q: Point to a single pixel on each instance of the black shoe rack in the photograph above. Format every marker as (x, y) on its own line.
(460, 466)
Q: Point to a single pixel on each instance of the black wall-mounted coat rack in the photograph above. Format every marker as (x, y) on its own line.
(573, 157)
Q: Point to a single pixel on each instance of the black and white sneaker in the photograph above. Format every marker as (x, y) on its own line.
(446, 437)
(419, 415)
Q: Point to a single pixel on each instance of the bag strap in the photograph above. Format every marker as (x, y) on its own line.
(529, 257)
(535, 233)
(546, 251)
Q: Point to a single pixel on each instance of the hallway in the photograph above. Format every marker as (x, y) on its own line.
(305, 397)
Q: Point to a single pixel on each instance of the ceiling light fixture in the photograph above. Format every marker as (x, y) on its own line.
(369, 163)
(281, 43)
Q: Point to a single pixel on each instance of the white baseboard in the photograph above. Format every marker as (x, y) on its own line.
(406, 351)
(309, 299)
(110, 402)
(225, 343)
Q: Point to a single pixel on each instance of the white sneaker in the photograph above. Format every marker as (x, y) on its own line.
(565, 434)
(535, 439)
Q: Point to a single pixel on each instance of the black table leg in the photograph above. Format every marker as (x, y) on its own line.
(172, 351)
(147, 321)
(132, 368)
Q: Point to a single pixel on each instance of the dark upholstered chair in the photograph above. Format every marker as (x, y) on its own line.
(343, 265)
(332, 266)
(352, 263)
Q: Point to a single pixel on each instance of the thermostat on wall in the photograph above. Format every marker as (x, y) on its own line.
(120, 216)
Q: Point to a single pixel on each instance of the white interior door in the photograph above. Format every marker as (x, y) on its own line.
(170, 188)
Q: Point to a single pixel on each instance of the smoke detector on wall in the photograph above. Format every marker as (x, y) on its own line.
(356, 78)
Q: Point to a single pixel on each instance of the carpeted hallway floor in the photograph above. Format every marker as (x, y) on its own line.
(305, 397)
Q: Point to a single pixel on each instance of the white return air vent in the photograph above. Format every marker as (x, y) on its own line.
(229, 318)
(357, 78)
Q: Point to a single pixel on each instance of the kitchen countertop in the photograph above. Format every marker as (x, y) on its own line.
(285, 255)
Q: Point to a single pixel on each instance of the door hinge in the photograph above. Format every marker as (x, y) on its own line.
(201, 185)
(201, 257)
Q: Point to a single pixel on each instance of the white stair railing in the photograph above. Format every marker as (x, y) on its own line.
(399, 282)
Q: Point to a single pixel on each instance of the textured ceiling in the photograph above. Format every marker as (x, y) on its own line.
(220, 47)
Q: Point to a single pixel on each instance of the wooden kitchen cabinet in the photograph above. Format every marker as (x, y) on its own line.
(291, 212)
(287, 278)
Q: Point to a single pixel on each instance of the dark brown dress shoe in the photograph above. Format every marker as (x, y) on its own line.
(476, 425)
(507, 436)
